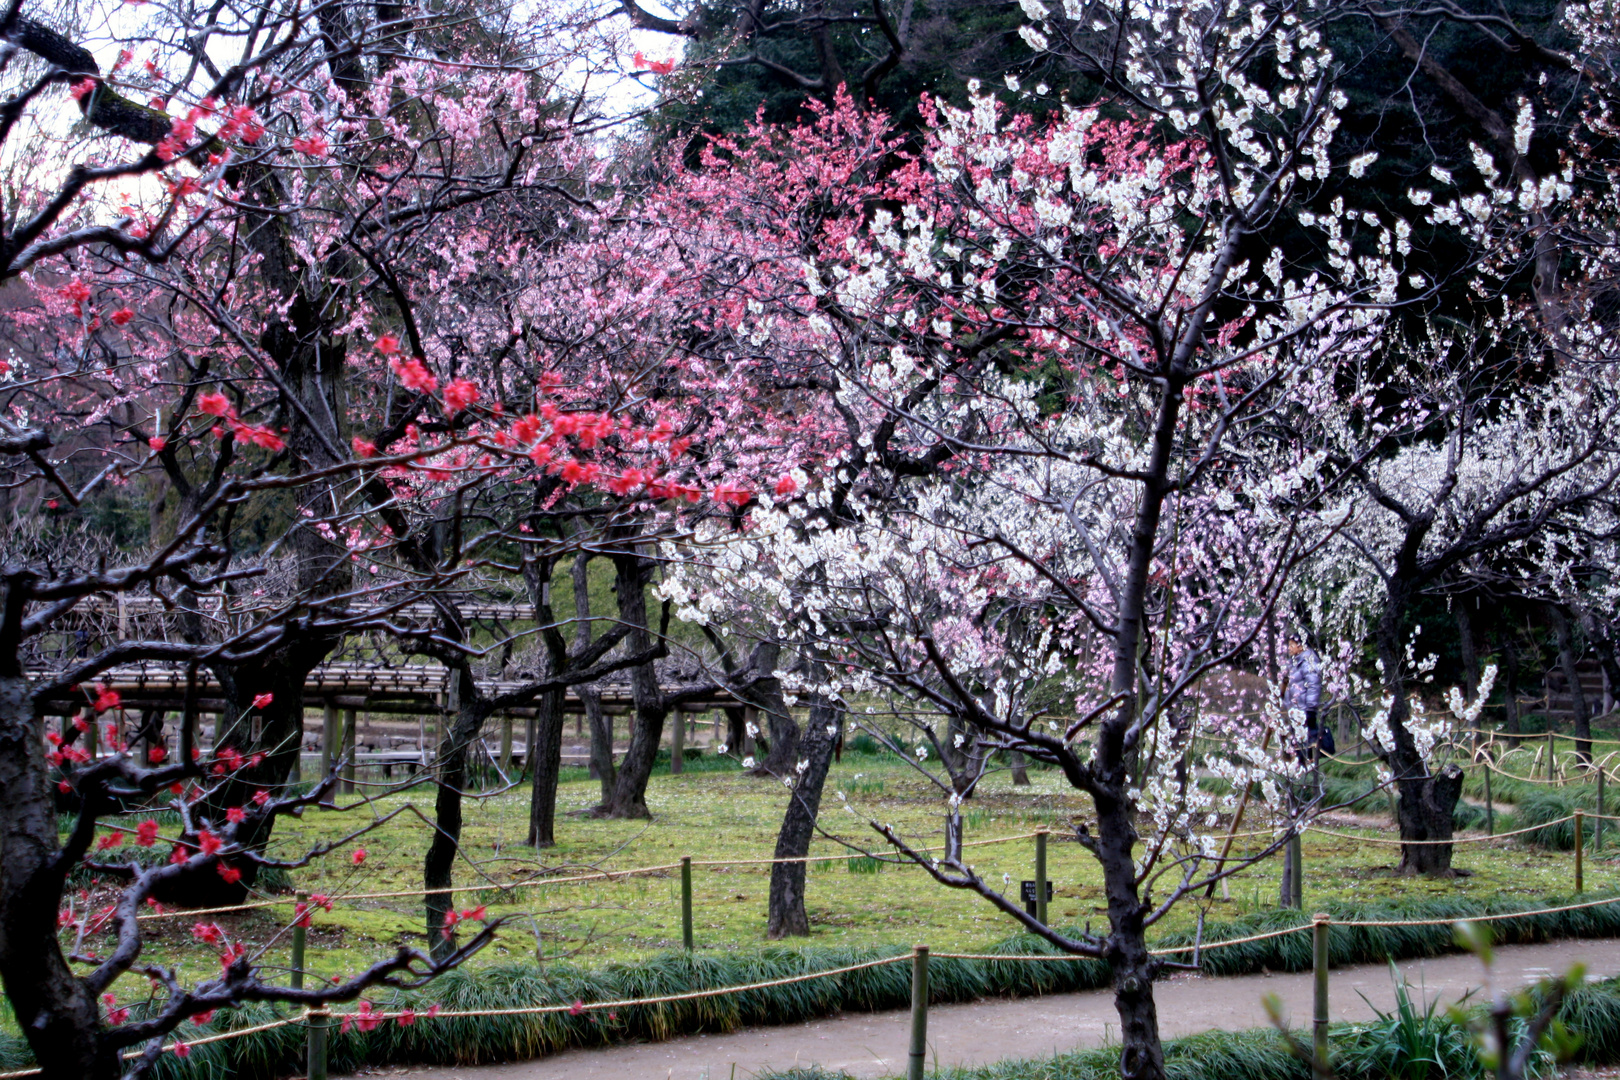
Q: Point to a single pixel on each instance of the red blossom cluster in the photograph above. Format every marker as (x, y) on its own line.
(314, 145)
(451, 918)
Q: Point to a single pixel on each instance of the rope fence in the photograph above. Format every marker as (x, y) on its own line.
(1461, 839)
(612, 875)
(317, 1019)
(535, 882)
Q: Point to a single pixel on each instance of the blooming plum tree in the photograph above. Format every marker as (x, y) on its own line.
(1051, 356)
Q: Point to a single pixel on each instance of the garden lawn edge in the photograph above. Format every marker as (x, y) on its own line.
(490, 1039)
(1421, 1045)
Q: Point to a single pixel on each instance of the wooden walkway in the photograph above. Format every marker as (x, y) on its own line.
(408, 689)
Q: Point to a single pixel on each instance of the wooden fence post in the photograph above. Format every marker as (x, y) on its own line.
(316, 1022)
(296, 773)
(1551, 750)
(686, 902)
(919, 1014)
(351, 747)
(1040, 875)
(1580, 845)
(300, 937)
(1319, 957)
(677, 743)
(329, 735)
(506, 744)
(331, 732)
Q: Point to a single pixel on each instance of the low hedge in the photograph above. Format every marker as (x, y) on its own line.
(482, 1040)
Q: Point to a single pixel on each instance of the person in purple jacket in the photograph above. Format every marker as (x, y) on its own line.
(1302, 690)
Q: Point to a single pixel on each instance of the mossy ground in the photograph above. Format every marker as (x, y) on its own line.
(724, 814)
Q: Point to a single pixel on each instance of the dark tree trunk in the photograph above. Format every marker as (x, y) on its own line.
(548, 731)
(736, 730)
(276, 747)
(783, 751)
(1426, 807)
(1427, 800)
(1134, 967)
(964, 754)
(600, 721)
(57, 1014)
(543, 755)
(1510, 685)
(150, 736)
(437, 867)
(787, 916)
(529, 739)
(581, 574)
(956, 757)
(1577, 694)
(1020, 771)
(1467, 646)
(629, 799)
(1599, 637)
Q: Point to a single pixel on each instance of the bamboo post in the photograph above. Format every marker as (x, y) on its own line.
(1550, 752)
(506, 744)
(1580, 876)
(1597, 826)
(300, 938)
(317, 1045)
(919, 1014)
(1490, 808)
(1040, 875)
(351, 742)
(686, 902)
(1319, 957)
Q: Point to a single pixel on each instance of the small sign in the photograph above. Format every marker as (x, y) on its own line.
(1029, 891)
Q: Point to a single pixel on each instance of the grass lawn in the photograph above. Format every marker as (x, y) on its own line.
(722, 814)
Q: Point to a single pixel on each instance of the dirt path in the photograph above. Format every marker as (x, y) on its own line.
(874, 1044)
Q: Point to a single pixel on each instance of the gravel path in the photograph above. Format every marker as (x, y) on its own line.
(874, 1044)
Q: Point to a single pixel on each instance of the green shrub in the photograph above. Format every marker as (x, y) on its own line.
(863, 743)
